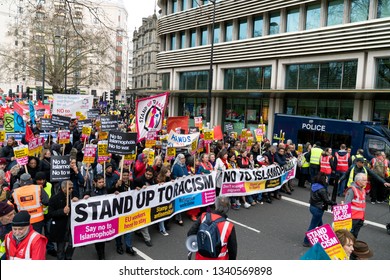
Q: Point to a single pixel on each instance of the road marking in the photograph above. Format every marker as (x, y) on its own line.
(142, 254)
(366, 222)
(245, 226)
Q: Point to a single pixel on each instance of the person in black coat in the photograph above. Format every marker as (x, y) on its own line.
(60, 232)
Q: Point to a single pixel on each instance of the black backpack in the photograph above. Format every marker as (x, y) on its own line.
(208, 237)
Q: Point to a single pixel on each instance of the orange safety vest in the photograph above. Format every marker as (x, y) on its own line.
(225, 229)
(325, 165)
(29, 198)
(342, 162)
(21, 251)
(358, 204)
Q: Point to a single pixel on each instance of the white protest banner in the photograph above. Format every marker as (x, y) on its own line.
(68, 104)
(150, 114)
(241, 182)
(102, 218)
(181, 140)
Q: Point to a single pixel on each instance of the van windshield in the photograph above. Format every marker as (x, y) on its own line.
(375, 145)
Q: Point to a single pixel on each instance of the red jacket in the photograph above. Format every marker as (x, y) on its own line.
(32, 247)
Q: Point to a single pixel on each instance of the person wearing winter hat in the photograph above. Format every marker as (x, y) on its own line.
(32, 198)
(361, 251)
(23, 242)
(7, 213)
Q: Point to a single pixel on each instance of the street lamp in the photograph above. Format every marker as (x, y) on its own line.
(210, 85)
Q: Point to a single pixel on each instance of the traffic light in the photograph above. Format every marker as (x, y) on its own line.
(105, 96)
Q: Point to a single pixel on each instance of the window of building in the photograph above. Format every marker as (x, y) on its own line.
(257, 26)
(381, 111)
(205, 2)
(174, 6)
(292, 20)
(383, 73)
(324, 108)
(217, 32)
(203, 36)
(313, 15)
(383, 8)
(173, 42)
(165, 81)
(192, 38)
(327, 75)
(248, 78)
(193, 107)
(274, 23)
(228, 31)
(182, 40)
(335, 12)
(359, 10)
(196, 80)
(242, 29)
(184, 5)
(194, 4)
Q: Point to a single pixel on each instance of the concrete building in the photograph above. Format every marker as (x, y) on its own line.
(146, 46)
(326, 58)
(95, 75)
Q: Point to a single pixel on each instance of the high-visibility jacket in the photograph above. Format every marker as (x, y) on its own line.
(48, 189)
(29, 198)
(352, 174)
(32, 247)
(342, 162)
(325, 165)
(225, 229)
(304, 162)
(357, 156)
(315, 155)
(358, 204)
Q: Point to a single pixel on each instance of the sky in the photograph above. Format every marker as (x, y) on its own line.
(138, 9)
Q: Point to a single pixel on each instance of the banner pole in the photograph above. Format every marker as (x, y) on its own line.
(104, 172)
(122, 162)
(25, 169)
(67, 193)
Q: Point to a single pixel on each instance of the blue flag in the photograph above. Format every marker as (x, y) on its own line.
(32, 111)
(19, 125)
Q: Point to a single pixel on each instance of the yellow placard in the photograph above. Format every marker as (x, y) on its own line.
(103, 135)
(2, 136)
(209, 135)
(150, 143)
(80, 116)
(194, 145)
(102, 149)
(131, 157)
(86, 130)
(171, 152)
(151, 157)
(21, 153)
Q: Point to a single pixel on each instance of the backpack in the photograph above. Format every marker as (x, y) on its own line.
(208, 237)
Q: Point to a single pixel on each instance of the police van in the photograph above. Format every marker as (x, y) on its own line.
(369, 136)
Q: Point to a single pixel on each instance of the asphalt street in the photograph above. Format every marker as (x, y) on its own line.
(264, 232)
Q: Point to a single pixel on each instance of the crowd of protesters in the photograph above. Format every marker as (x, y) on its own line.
(87, 180)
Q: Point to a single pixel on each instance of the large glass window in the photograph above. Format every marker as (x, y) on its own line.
(313, 16)
(217, 33)
(242, 29)
(165, 80)
(228, 31)
(182, 40)
(196, 80)
(192, 38)
(257, 27)
(292, 20)
(248, 78)
(383, 8)
(335, 12)
(383, 73)
(324, 108)
(194, 4)
(184, 5)
(327, 75)
(359, 10)
(274, 23)
(203, 36)
(381, 111)
(174, 6)
(173, 42)
(193, 107)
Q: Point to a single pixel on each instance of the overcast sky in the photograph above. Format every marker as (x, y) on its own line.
(137, 10)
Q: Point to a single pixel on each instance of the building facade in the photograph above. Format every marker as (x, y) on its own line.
(68, 33)
(146, 46)
(326, 58)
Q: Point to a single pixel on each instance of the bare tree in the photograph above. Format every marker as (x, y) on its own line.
(70, 38)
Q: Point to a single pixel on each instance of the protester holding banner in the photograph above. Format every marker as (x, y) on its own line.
(44, 163)
(157, 165)
(179, 169)
(221, 164)
(59, 211)
(7, 152)
(76, 177)
(319, 201)
(32, 167)
(140, 165)
(86, 171)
